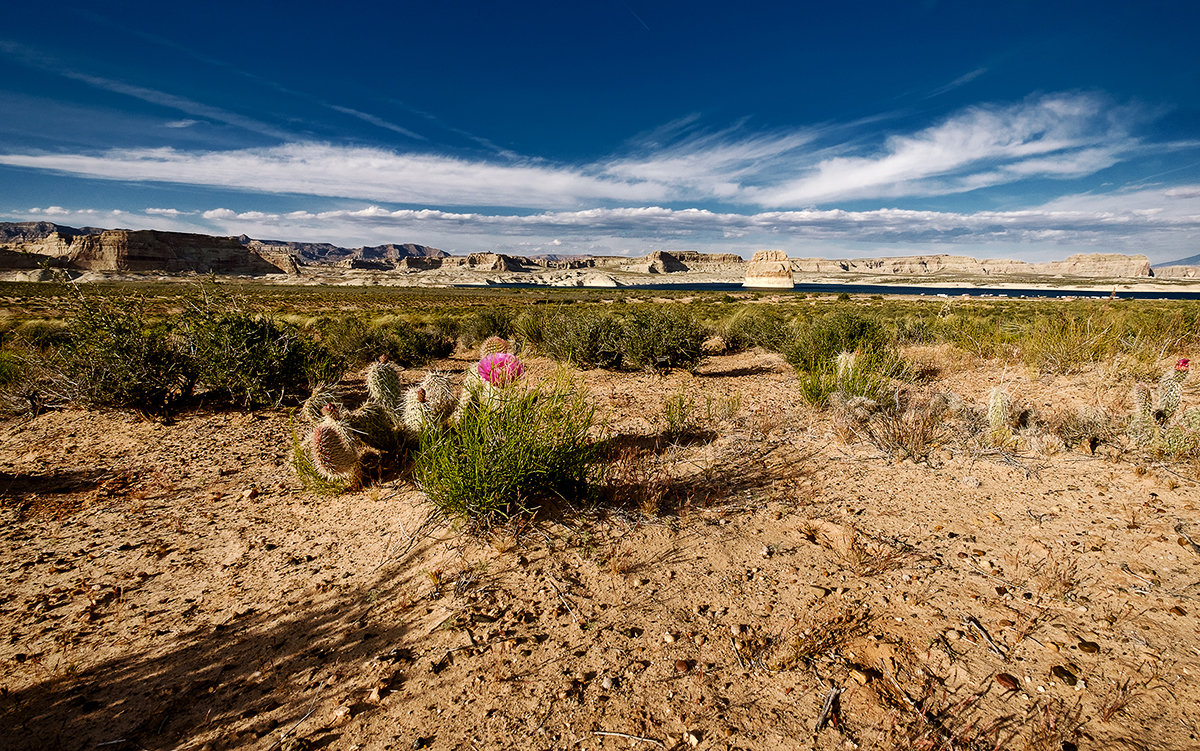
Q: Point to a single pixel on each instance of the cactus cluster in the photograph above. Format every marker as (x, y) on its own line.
(393, 416)
(1159, 423)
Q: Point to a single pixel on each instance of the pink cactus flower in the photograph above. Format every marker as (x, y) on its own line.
(1182, 365)
(500, 369)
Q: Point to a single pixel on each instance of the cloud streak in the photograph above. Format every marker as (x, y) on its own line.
(1133, 222)
(1050, 137)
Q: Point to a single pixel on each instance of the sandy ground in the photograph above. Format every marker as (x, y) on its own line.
(173, 586)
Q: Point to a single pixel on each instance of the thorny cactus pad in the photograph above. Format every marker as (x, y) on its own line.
(335, 455)
(999, 410)
(372, 423)
(428, 403)
(322, 395)
(383, 383)
(1170, 390)
(500, 369)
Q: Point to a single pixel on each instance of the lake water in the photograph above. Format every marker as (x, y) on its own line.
(888, 289)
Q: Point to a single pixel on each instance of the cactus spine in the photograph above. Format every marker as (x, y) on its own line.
(372, 423)
(335, 453)
(428, 403)
(1170, 394)
(999, 408)
(322, 395)
(493, 345)
(383, 384)
(1143, 425)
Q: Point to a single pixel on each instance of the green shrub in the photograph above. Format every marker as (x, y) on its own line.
(44, 334)
(252, 360)
(114, 358)
(12, 367)
(532, 329)
(678, 410)
(663, 336)
(755, 326)
(490, 321)
(815, 345)
(499, 460)
(587, 338)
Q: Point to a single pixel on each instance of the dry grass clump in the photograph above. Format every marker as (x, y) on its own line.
(823, 633)
(865, 555)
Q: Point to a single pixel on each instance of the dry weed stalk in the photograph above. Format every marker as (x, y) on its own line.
(865, 555)
(822, 634)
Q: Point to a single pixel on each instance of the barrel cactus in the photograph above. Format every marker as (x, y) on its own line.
(1170, 391)
(334, 448)
(493, 345)
(1143, 425)
(383, 384)
(999, 409)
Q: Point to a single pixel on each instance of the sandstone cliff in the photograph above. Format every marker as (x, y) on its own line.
(1095, 265)
(170, 252)
(769, 269)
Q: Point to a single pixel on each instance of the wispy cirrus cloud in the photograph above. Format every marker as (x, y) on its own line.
(1065, 135)
(353, 172)
(1048, 137)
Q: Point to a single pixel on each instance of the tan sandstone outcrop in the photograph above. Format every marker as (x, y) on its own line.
(170, 252)
(1102, 265)
(769, 269)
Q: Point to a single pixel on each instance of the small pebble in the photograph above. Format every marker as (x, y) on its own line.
(682, 666)
(736, 629)
(669, 638)
(607, 683)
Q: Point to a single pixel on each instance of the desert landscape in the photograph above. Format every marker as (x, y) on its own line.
(766, 558)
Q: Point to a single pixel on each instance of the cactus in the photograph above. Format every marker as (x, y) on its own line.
(335, 453)
(428, 403)
(322, 395)
(1143, 425)
(374, 425)
(493, 345)
(999, 408)
(1191, 419)
(1170, 392)
(383, 384)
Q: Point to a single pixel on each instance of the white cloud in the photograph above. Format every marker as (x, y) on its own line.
(182, 123)
(358, 172)
(1065, 135)
(1059, 136)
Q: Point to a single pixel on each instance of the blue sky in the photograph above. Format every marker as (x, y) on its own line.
(1019, 129)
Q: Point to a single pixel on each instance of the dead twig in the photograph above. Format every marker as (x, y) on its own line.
(992, 645)
(1184, 535)
(626, 736)
(563, 598)
(827, 709)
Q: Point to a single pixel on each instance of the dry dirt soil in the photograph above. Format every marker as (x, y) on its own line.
(767, 581)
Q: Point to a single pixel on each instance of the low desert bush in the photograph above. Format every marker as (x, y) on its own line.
(587, 338)
(251, 360)
(657, 337)
(488, 321)
(503, 458)
(116, 358)
(815, 345)
(754, 326)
